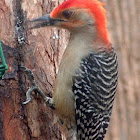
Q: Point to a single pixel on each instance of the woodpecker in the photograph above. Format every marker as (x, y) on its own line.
(86, 82)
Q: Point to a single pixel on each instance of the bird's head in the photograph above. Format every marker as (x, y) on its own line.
(76, 15)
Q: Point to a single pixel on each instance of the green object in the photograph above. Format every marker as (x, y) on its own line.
(3, 66)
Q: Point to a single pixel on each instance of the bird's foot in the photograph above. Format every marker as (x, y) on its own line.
(34, 87)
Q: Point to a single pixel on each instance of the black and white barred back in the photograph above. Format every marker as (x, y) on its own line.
(94, 88)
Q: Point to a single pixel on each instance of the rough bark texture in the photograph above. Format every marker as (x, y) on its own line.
(40, 51)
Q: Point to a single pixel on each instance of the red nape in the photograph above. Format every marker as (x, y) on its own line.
(95, 8)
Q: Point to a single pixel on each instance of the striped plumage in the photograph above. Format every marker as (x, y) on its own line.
(94, 88)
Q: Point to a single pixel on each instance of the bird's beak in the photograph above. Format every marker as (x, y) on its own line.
(43, 21)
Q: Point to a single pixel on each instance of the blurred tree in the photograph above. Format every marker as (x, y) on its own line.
(37, 50)
(123, 19)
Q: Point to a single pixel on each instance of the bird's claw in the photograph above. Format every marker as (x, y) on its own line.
(28, 95)
(34, 87)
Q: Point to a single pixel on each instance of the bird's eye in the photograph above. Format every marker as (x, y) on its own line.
(67, 14)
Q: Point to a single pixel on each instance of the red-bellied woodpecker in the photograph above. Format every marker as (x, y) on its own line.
(87, 78)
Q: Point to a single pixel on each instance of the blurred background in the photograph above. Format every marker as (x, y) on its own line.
(41, 50)
(123, 24)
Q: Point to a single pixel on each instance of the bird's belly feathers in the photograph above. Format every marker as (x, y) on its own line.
(63, 94)
(64, 99)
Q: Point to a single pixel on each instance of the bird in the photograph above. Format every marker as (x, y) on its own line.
(87, 78)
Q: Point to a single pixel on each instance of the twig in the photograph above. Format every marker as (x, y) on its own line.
(34, 87)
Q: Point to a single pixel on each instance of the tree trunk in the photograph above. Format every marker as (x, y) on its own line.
(37, 50)
(41, 51)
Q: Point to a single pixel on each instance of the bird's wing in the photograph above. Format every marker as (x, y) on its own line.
(94, 86)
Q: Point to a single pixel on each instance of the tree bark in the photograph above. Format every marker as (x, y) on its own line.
(41, 51)
(38, 51)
